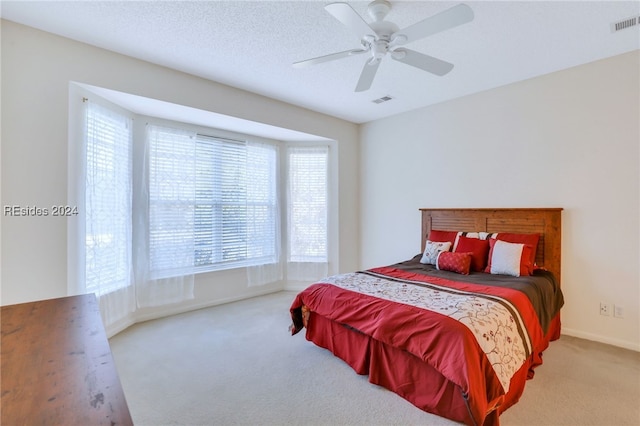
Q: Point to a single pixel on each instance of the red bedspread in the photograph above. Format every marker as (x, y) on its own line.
(478, 337)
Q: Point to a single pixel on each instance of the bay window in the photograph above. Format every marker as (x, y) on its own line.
(165, 200)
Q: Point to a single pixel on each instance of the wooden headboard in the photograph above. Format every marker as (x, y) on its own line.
(544, 221)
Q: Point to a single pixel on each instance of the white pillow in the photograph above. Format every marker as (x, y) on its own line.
(431, 251)
(505, 258)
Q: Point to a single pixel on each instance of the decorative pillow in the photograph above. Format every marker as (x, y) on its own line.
(509, 258)
(487, 235)
(470, 234)
(437, 235)
(474, 235)
(479, 250)
(451, 236)
(431, 251)
(454, 262)
(530, 239)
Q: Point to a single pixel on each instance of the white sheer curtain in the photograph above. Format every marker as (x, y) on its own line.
(263, 214)
(164, 238)
(104, 225)
(108, 247)
(307, 212)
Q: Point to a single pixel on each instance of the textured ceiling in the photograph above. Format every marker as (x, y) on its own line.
(252, 44)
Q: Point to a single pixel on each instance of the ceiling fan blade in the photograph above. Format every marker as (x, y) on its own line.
(350, 18)
(457, 15)
(327, 58)
(367, 75)
(422, 61)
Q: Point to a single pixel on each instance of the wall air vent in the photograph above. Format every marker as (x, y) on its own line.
(382, 99)
(625, 23)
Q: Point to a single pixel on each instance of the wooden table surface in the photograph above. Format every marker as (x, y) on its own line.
(56, 365)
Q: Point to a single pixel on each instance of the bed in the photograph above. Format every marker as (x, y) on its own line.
(457, 338)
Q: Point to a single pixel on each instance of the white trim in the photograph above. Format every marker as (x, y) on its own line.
(125, 323)
(601, 339)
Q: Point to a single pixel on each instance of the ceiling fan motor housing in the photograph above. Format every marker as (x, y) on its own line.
(378, 10)
(380, 46)
(384, 29)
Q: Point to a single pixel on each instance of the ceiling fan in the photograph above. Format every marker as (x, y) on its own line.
(381, 37)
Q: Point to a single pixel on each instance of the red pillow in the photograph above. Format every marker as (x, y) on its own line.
(501, 259)
(479, 250)
(530, 239)
(438, 236)
(454, 262)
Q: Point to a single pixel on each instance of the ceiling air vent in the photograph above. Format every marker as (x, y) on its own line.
(382, 99)
(625, 23)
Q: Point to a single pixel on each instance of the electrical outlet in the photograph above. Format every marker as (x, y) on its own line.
(604, 308)
(618, 311)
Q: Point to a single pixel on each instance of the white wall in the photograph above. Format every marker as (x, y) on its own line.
(569, 139)
(37, 68)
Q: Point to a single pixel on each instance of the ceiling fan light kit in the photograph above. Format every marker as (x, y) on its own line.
(381, 37)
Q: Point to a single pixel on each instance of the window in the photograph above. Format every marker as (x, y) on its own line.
(158, 204)
(212, 202)
(307, 203)
(107, 200)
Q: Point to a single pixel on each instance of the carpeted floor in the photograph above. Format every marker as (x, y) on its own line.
(236, 364)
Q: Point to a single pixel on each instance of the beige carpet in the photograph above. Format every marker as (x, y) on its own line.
(236, 364)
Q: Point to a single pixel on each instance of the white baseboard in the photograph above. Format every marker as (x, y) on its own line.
(175, 310)
(601, 339)
(119, 326)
